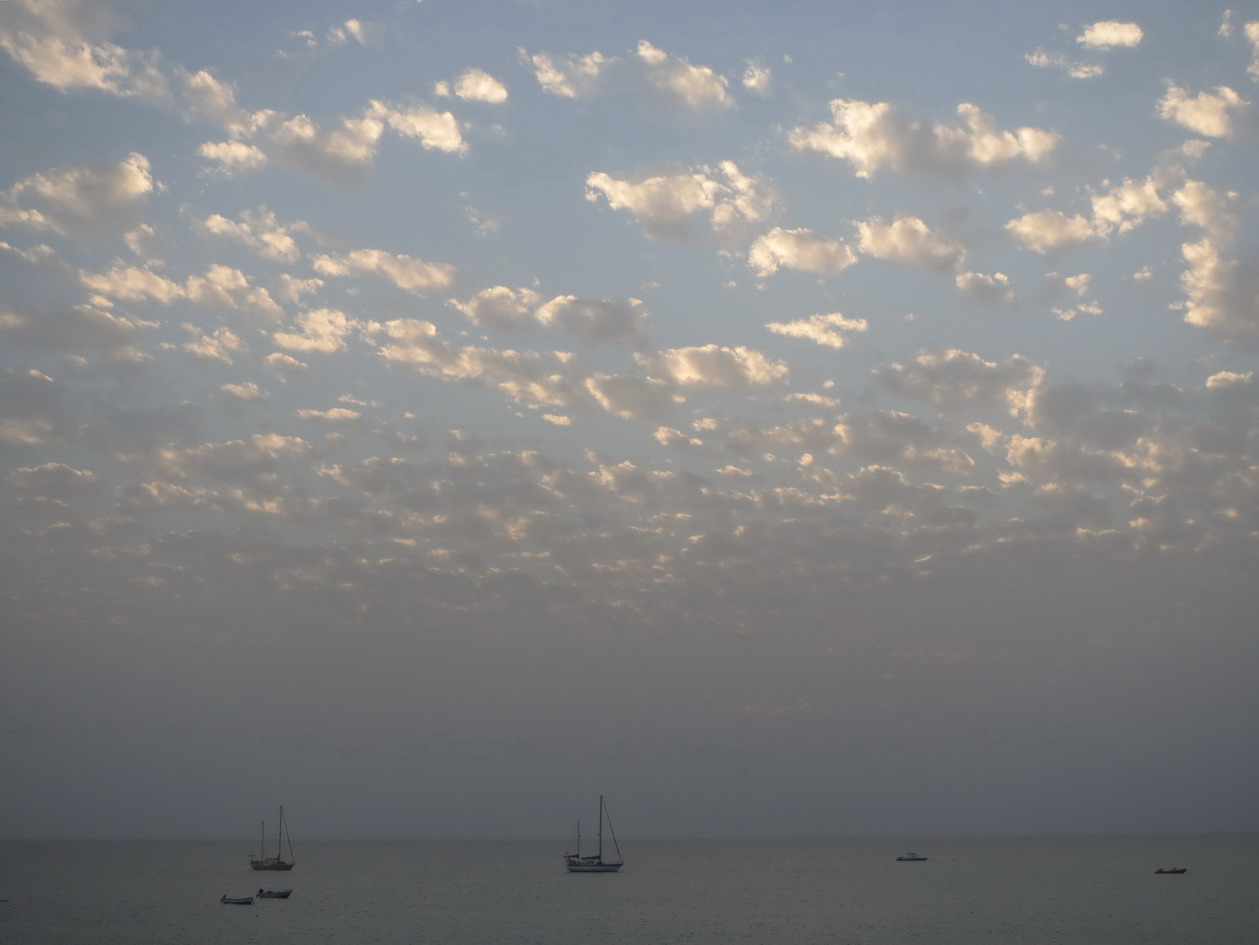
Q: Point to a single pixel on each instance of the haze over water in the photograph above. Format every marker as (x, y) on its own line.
(1048, 891)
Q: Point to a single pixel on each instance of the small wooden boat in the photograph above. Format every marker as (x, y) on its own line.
(1173, 871)
(237, 900)
(274, 893)
(909, 856)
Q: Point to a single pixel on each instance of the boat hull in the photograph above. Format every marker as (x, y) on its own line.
(237, 900)
(594, 867)
(269, 865)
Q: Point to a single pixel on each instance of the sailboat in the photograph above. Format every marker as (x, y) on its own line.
(577, 863)
(277, 862)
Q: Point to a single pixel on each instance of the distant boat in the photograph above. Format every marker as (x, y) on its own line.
(577, 863)
(909, 856)
(274, 893)
(277, 862)
(1175, 870)
(237, 900)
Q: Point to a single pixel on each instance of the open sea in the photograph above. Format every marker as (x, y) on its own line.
(1044, 891)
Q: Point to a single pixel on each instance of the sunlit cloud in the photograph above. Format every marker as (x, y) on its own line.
(873, 136)
(1107, 33)
(1207, 113)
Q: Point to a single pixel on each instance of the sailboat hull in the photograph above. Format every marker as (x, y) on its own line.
(270, 865)
(576, 863)
(277, 862)
(593, 867)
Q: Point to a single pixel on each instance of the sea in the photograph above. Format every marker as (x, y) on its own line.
(1012, 891)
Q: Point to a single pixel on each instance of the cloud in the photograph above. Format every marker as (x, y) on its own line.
(340, 154)
(1222, 295)
(500, 308)
(799, 249)
(208, 96)
(133, 283)
(407, 273)
(1060, 461)
(568, 76)
(83, 199)
(909, 240)
(716, 366)
(221, 345)
(757, 78)
(953, 378)
(678, 83)
(1108, 33)
(32, 409)
(602, 321)
(337, 155)
(993, 288)
(1042, 59)
(233, 156)
(873, 136)
(1208, 208)
(1116, 211)
(259, 230)
(224, 287)
(84, 330)
(1047, 231)
(1128, 205)
(826, 330)
(354, 30)
(665, 204)
(1205, 113)
(220, 287)
(695, 87)
(550, 379)
(285, 366)
(436, 130)
(247, 391)
(1232, 380)
(632, 397)
(334, 416)
(322, 331)
(63, 45)
(1252, 37)
(51, 480)
(475, 85)
(254, 458)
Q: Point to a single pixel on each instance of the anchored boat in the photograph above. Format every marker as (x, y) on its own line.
(277, 862)
(576, 863)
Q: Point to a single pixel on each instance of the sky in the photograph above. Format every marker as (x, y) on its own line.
(795, 419)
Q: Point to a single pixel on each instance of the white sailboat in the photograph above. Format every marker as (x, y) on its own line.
(576, 863)
(277, 862)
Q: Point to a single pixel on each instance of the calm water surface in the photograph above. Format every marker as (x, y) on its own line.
(1053, 891)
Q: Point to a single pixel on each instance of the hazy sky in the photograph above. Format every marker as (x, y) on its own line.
(797, 418)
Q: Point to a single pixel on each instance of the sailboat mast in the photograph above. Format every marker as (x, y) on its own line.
(289, 835)
(600, 828)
